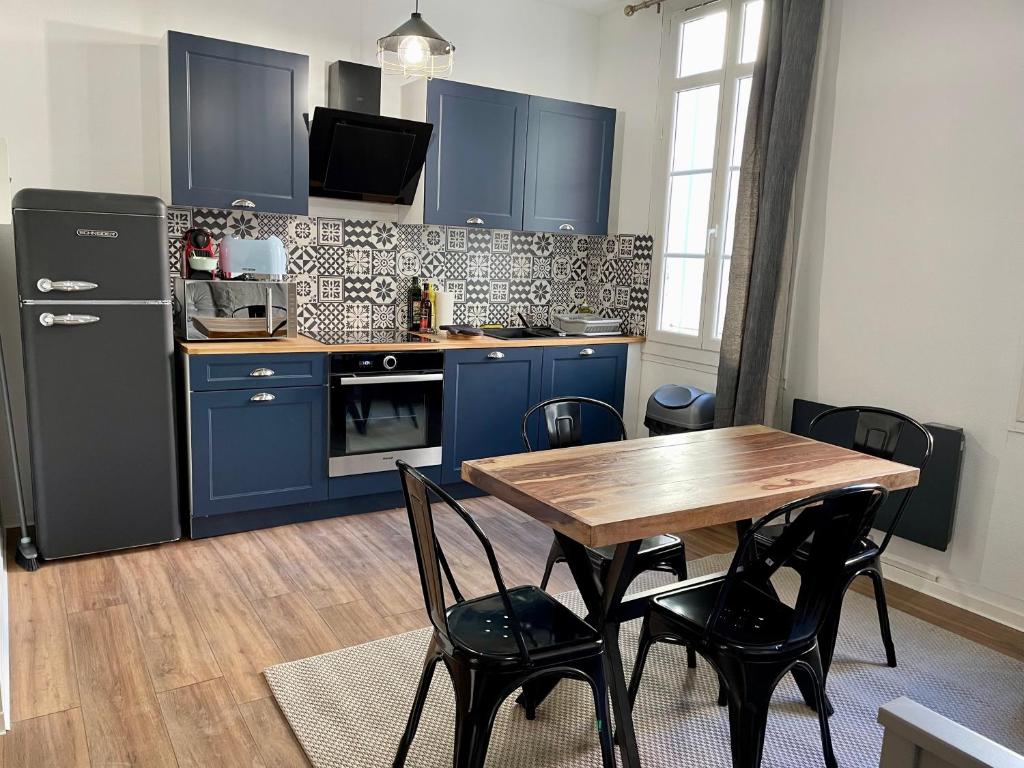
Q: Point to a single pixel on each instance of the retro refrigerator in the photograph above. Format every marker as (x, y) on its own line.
(94, 290)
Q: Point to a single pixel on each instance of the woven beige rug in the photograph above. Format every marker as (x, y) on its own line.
(348, 707)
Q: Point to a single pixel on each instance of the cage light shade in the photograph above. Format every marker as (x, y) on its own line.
(415, 50)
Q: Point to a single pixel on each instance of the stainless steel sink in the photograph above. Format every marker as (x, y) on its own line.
(537, 332)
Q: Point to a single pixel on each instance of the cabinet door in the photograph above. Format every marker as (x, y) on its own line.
(474, 172)
(597, 371)
(486, 393)
(568, 167)
(237, 128)
(257, 448)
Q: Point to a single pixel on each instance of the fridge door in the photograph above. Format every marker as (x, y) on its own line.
(99, 380)
(79, 256)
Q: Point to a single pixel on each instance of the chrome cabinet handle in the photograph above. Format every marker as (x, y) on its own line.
(496, 355)
(586, 352)
(475, 220)
(242, 203)
(47, 319)
(46, 285)
(567, 227)
(262, 397)
(261, 372)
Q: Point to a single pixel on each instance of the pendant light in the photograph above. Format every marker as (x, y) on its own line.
(415, 50)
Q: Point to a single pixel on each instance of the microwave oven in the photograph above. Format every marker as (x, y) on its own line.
(235, 310)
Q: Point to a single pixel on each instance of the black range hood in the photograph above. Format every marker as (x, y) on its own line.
(359, 155)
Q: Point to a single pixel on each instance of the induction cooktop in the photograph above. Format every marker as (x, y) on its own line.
(369, 337)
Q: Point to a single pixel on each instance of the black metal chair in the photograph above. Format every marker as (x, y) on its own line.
(746, 633)
(876, 432)
(563, 419)
(494, 644)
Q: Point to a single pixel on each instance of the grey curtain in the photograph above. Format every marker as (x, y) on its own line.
(753, 336)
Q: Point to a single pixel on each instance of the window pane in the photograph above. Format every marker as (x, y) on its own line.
(723, 293)
(681, 299)
(739, 129)
(702, 44)
(688, 205)
(752, 13)
(693, 145)
(730, 212)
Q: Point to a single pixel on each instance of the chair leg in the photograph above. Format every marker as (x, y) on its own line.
(677, 564)
(723, 692)
(749, 695)
(883, 616)
(645, 643)
(603, 712)
(823, 706)
(417, 706)
(476, 703)
(555, 555)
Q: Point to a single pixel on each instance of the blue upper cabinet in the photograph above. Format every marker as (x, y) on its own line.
(486, 393)
(597, 371)
(568, 167)
(474, 171)
(237, 130)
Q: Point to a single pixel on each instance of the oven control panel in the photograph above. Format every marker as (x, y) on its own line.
(356, 363)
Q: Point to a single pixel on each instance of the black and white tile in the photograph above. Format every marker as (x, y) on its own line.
(352, 277)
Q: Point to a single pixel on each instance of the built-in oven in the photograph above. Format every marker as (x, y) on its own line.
(385, 406)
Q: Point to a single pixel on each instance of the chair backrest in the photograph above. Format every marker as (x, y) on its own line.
(827, 528)
(563, 420)
(882, 433)
(431, 560)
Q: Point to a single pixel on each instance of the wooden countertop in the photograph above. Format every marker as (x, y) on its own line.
(442, 341)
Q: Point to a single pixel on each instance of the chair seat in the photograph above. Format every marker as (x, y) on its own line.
(649, 546)
(549, 628)
(755, 619)
(864, 548)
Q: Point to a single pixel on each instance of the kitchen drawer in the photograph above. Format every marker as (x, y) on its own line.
(213, 372)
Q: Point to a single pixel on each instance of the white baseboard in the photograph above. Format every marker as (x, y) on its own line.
(970, 597)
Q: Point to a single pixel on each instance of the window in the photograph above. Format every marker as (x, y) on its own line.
(706, 79)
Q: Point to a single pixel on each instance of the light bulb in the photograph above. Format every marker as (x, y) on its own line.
(413, 51)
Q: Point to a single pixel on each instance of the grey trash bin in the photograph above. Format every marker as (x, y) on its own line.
(673, 409)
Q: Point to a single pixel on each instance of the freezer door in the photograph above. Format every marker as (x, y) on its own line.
(99, 380)
(78, 256)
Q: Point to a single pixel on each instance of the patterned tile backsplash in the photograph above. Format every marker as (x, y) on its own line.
(352, 276)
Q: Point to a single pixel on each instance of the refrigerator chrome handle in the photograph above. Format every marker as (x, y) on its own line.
(48, 319)
(262, 397)
(46, 285)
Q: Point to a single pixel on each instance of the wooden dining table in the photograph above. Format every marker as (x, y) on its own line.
(620, 493)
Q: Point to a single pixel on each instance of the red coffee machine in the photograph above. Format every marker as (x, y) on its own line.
(201, 261)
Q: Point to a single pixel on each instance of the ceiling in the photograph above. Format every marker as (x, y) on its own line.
(590, 6)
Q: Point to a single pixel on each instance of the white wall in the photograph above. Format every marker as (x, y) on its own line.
(910, 279)
(79, 83)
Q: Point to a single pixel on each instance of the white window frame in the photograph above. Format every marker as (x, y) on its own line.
(669, 84)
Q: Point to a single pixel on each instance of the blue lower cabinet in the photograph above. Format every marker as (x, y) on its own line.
(257, 448)
(486, 393)
(597, 371)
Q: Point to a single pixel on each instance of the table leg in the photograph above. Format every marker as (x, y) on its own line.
(615, 585)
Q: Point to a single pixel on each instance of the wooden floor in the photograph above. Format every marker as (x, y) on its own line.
(154, 657)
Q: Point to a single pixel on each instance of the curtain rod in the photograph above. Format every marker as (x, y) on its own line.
(629, 10)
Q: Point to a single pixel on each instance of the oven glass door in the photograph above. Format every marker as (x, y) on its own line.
(378, 419)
